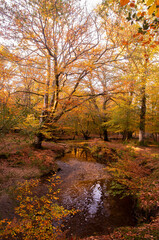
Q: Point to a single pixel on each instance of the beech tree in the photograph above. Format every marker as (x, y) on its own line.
(7, 118)
(83, 121)
(139, 54)
(114, 76)
(101, 81)
(60, 40)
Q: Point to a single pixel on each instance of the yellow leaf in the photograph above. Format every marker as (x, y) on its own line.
(139, 14)
(124, 2)
(152, 9)
(149, 2)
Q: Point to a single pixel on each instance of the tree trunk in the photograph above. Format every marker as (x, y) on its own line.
(105, 135)
(127, 135)
(105, 132)
(124, 135)
(130, 135)
(143, 103)
(86, 135)
(38, 141)
(142, 117)
(44, 115)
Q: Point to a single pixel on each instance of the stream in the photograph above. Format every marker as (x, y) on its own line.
(85, 186)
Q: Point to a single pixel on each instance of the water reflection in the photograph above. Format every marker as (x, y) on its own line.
(96, 200)
(85, 187)
(80, 153)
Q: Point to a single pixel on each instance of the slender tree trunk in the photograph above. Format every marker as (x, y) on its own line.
(45, 112)
(85, 134)
(143, 103)
(39, 136)
(105, 131)
(105, 135)
(124, 133)
(130, 135)
(55, 85)
(143, 108)
(142, 117)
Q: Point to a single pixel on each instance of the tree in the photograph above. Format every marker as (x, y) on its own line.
(137, 51)
(114, 76)
(101, 78)
(82, 121)
(7, 118)
(60, 40)
(152, 94)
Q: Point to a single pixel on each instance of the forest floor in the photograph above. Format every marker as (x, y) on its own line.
(19, 161)
(135, 170)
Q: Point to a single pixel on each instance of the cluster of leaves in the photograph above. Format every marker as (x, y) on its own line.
(38, 217)
(10, 116)
(31, 123)
(7, 119)
(145, 12)
(81, 122)
(123, 117)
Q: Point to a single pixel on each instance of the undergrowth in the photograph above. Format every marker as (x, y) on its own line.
(135, 172)
(36, 217)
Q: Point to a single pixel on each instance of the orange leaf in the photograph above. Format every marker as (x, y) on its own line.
(125, 43)
(132, 5)
(124, 2)
(153, 46)
(139, 14)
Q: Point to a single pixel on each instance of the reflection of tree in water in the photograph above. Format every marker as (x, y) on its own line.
(80, 152)
(95, 200)
(84, 153)
(94, 214)
(95, 205)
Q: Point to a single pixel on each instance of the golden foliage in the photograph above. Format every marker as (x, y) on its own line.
(39, 217)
